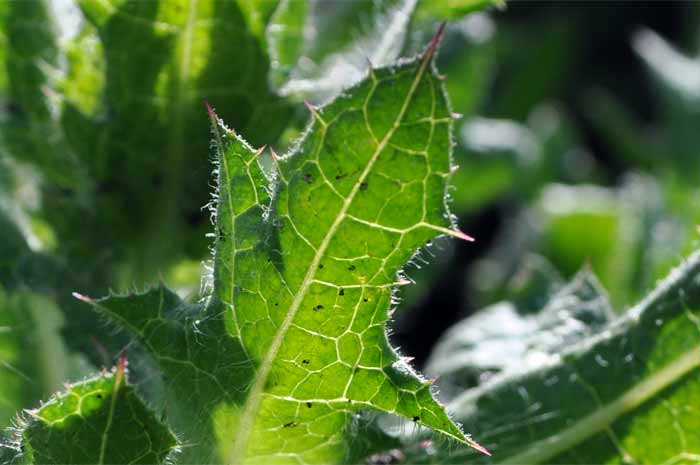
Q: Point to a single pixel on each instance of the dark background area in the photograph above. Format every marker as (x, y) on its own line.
(564, 49)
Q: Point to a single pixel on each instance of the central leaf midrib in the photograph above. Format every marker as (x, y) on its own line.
(252, 404)
(544, 449)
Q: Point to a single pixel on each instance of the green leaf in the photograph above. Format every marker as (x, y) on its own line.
(98, 421)
(18, 387)
(615, 231)
(319, 48)
(276, 362)
(34, 362)
(507, 336)
(626, 395)
(452, 9)
(113, 114)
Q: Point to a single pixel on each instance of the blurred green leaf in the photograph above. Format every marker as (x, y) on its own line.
(622, 395)
(320, 48)
(125, 122)
(506, 337)
(629, 236)
(34, 362)
(453, 9)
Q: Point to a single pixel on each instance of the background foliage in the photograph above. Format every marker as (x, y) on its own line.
(578, 148)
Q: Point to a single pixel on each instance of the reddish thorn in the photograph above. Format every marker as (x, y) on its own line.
(122, 361)
(48, 92)
(407, 359)
(274, 154)
(260, 150)
(210, 110)
(83, 298)
(435, 41)
(442, 77)
(459, 234)
(121, 370)
(454, 169)
(479, 447)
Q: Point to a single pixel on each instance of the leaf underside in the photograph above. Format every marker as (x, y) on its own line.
(291, 343)
(627, 395)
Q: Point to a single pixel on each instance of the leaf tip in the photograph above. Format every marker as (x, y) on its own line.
(476, 446)
(211, 112)
(463, 236)
(83, 298)
(259, 151)
(121, 369)
(430, 51)
(314, 112)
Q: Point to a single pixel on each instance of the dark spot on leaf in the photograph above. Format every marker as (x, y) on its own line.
(277, 304)
(309, 404)
(13, 108)
(66, 191)
(306, 362)
(321, 266)
(291, 424)
(341, 292)
(351, 268)
(338, 177)
(99, 395)
(363, 186)
(318, 307)
(157, 180)
(365, 300)
(416, 418)
(308, 178)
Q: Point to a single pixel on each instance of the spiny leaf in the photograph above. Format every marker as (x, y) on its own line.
(98, 421)
(626, 395)
(291, 342)
(112, 116)
(123, 122)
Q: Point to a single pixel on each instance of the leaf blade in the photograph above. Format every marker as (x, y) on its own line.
(595, 402)
(293, 331)
(103, 411)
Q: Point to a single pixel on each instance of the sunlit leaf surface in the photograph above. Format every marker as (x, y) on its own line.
(98, 421)
(291, 343)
